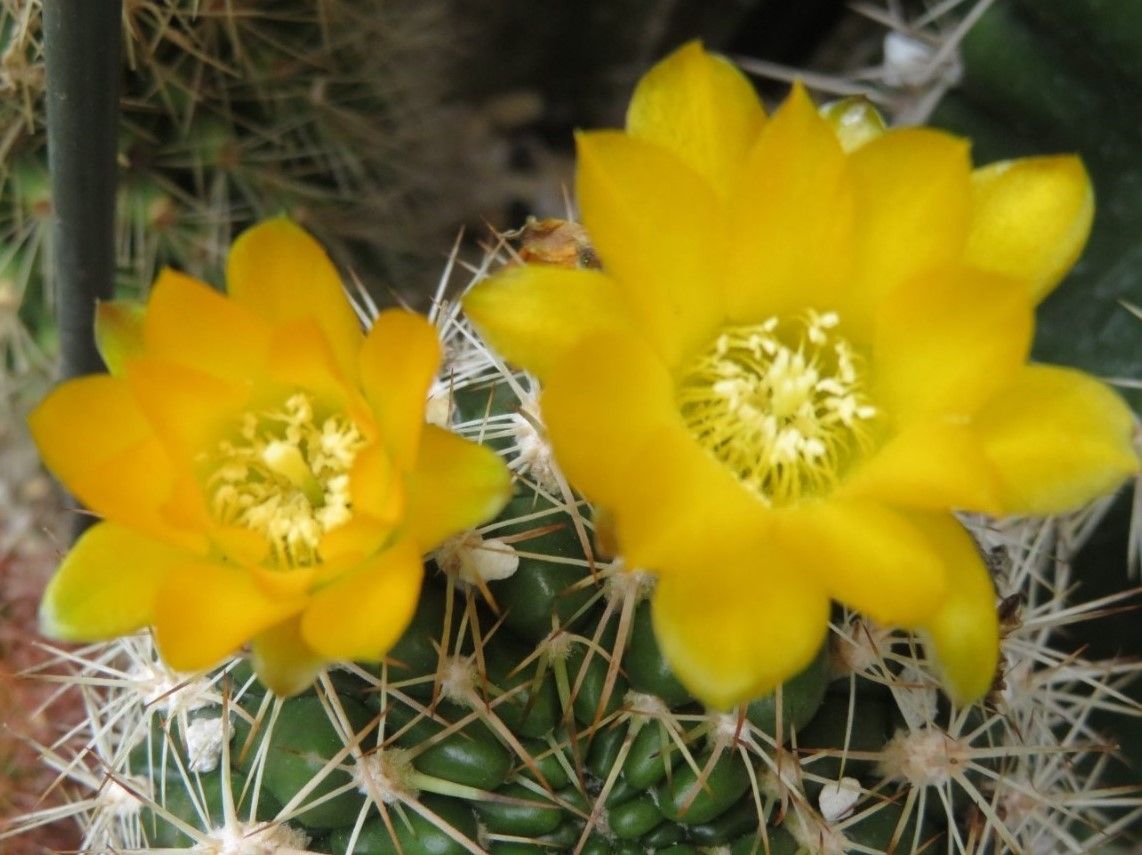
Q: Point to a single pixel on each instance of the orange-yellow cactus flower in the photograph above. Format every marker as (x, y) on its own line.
(262, 467)
(807, 346)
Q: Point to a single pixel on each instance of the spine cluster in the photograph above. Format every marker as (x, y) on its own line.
(530, 711)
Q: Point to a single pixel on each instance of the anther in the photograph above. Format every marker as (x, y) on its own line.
(286, 476)
(781, 404)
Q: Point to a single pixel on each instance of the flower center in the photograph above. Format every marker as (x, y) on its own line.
(286, 476)
(781, 403)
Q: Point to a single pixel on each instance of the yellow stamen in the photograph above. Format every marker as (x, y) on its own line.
(286, 477)
(781, 403)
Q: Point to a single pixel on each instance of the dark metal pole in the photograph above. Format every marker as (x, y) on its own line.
(81, 47)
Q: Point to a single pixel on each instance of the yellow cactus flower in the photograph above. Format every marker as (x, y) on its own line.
(807, 346)
(263, 469)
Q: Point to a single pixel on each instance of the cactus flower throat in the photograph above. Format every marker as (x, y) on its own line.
(782, 405)
(285, 475)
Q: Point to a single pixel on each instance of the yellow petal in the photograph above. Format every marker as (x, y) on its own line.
(1058, 438)
(600, 405)
(947, 342)
(934, 465)
(190, 323)
(913, 204)
(294, 584)
(205, 611)
(701, 108)
(353, 542)
(237, 543)
(659, 231)
(106, 585)
(301, 356)
(119, 332)
(867, 556)
(91, 433)
(964, 631)
(375, 486)
(456, 485)
(279, 272)
(397, 363)
(733, 633)
(681, 507)
(140, 488)
(1030, 219)
(534, 314)
(362, 614)
(283, 661)
(84, 422)
(189, 409)
(790, 219)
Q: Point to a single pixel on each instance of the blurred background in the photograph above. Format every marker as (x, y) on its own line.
(387, 127)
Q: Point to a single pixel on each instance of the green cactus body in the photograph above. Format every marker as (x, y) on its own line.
(534, 713)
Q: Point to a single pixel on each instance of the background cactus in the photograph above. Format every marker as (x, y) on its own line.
(236, 111)
(531, 712)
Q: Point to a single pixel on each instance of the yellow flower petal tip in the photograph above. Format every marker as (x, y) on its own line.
(106, 586)
(963, 634)
(1031, 218)
(277, 270)
(118, 332)
(1057, 438)
(701, 108)
(285, 664)
(809, 336)
(536, 312)
(253, 459)
(729, 650)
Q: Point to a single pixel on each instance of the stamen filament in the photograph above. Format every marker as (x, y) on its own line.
(286, 476)
(780, 403)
